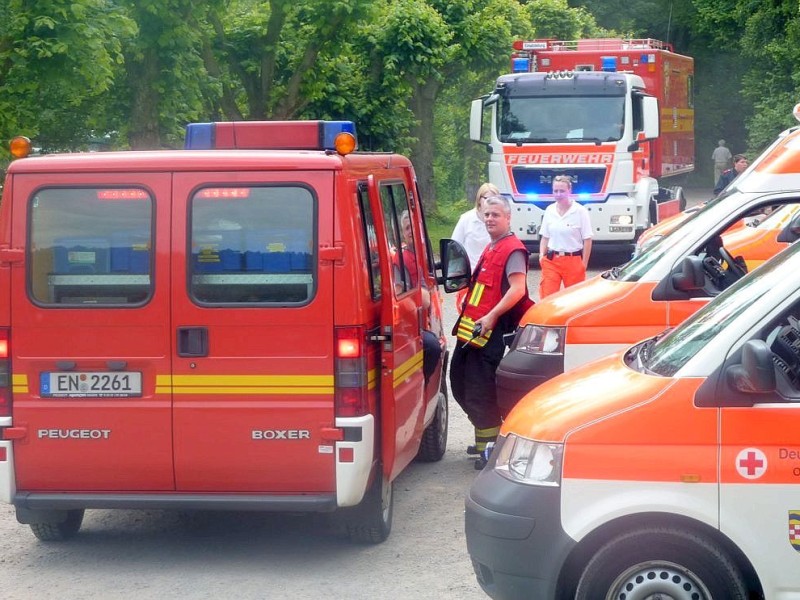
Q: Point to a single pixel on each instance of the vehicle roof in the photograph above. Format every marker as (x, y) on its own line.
(203, 160)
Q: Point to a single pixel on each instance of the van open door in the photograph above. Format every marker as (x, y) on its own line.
(401, 379)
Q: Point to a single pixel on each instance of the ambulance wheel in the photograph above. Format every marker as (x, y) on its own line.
(58, 532)
(434, 438)
(371, 521)
(661, 562)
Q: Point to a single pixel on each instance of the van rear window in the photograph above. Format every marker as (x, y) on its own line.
(252, 245)
(91, 246)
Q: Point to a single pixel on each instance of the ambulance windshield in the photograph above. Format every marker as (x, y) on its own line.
(670, 353)
(544, 119)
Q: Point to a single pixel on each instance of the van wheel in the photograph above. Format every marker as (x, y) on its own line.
(58, 532)
(371, 521)
(434, 438)
(661, 562)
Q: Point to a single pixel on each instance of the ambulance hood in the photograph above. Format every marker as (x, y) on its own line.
(776, 169)
(585, 396)
(560, 308)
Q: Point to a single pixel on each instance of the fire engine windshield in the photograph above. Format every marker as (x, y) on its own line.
(543, 119)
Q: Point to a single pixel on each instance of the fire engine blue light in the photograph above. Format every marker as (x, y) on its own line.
(643, 59)
(199, 136)
(520, 65)
(608, 63)
(330, 129)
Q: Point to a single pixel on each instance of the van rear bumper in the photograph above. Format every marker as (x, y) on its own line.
(35, 501)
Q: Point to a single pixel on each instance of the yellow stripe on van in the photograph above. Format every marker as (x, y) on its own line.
(245, 384)
(408, 368)
(19, 383)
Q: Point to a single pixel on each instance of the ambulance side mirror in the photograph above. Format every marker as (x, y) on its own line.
(455, 266)
(756, 373)
(689, 276)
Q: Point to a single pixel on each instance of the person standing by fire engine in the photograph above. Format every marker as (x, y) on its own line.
(496, 299)
(566, 240)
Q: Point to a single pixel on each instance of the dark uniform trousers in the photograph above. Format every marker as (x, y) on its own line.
(472, 380)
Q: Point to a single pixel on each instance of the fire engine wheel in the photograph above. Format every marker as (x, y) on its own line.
(434, 438)
(371, 521)
(660, 563)
(58, 532)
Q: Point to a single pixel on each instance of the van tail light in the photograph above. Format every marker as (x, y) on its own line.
(350, 372)
(5, 374)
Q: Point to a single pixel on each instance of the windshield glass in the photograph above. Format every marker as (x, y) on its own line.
(561, 118)
(673, 351)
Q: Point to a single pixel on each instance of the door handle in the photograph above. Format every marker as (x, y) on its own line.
(192, 341)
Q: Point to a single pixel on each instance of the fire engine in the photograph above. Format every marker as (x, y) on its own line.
(612, 114)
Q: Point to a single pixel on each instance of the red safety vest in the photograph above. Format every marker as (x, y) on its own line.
(486, 289)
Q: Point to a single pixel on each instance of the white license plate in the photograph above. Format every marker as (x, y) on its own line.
(105, 384)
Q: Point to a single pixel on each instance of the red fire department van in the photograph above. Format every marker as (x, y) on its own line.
(219, 327)
(668, 470)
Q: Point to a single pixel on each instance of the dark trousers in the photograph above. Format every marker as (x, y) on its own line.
(472, 380)
(431, 353)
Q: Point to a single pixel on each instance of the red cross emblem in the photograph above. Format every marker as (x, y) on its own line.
(751, 463)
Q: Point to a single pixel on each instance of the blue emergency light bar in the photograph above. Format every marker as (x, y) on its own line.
(266, 135)
(608, 63)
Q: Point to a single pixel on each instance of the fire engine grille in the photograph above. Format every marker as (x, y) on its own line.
(540, 181)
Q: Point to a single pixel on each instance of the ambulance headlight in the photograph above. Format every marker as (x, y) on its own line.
(530, 462)
(536, 339)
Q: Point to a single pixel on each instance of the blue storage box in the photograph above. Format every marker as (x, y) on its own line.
(130, 252)
(81, 256)
(277, 262)
(213, 252)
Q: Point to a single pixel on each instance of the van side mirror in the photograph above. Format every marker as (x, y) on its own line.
(688, 276)
(756, 373)
(455, 266)
(790, 233)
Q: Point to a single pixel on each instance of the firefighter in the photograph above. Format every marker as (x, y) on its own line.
(496, 299)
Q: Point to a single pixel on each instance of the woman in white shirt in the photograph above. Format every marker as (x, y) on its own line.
(470, 230)
(566, 240)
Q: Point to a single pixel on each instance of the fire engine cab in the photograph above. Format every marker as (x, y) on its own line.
(221, 327)
(614, 115)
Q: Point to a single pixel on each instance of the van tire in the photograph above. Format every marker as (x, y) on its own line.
(59, 532)
(434, 438)
(661, 560)
(371, 521)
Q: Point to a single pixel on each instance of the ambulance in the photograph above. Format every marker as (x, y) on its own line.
(661, 287)
(670, 469)
(222, 327)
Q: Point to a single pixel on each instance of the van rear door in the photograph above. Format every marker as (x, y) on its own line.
(90, 332)
(252, 326)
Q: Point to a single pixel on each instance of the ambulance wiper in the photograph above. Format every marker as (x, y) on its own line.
(612, 273)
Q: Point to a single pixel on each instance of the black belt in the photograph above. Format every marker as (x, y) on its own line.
(553, 253)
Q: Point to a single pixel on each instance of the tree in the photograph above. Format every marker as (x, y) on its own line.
(57, 58)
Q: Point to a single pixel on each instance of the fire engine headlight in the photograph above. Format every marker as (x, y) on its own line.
(530, 462)
(536, 339)
(621, 220)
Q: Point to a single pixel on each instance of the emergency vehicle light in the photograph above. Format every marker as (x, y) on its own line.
(350, 372)
(224, 193)
(122, 194)
(5, 376)
(270, 135)
(520, 65)
(608, 63)
(20, 147)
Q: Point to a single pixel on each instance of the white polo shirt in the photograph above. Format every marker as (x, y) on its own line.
(471, 233)
(566, 233)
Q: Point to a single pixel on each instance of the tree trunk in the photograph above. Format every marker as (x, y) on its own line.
(422, 150)
(142, 78)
